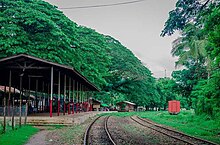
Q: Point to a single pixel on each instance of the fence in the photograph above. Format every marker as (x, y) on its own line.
(11, 117)
(9, 111)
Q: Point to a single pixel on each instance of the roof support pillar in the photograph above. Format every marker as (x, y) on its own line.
(77, 96)
(69, 88)
(64, 100)
(9, 94)
(29, 90)
(58, 105)
(36, 94)
(91, 103)
(80, 95)
(83, 103)
(80, 92)
(73, 95)
(51, 91)
(13, 116)
(43, 102)
(27, 103)
(21, 91)
(4, 111)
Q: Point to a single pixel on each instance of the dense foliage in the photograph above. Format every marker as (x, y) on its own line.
(37, 28)
(130, 78)
(198, 50)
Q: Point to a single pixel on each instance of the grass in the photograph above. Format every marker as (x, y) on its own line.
(19, 136)
(186, 121)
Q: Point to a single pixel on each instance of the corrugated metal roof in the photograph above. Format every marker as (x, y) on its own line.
(127, 102)
(13, 90)
(63, 67)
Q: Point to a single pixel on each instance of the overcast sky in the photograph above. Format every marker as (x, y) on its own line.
(136, 25)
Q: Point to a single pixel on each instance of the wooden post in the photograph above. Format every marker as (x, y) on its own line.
(86, 100)
(9, 94)
(58, 105)
(69, 95)
(83, 94)
(82, 98)
(64, 99)
(77, 96)
(48, 96)
(87, 94)
(26, 110)
(27, 103)
(73, 95)
(20, 88)
(91, 102)
(13, 116)
(79, 93)
(51, 92)
(36, 94)
(43, 102)
(4, 111)
(29, 90)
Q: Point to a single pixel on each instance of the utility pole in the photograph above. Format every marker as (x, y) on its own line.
(165, 73)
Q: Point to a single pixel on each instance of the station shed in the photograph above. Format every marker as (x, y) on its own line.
(44, 81)
(125, 106)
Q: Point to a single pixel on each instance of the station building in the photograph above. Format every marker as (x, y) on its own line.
(43, 86)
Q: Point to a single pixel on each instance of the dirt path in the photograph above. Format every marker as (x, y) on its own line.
(39, 138)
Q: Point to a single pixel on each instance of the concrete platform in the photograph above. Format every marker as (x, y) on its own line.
(40, 119)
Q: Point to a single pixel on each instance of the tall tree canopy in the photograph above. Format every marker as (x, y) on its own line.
(198, 49)
(186, 11)
(130, 77)
(37, 28)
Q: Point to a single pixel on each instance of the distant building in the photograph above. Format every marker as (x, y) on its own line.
(125, 106)
(96, 105)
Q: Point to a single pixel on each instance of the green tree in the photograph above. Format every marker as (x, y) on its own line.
(167, 89)
(130, 79)
(190, 46)
(37, 28)
(186, 11)
(198, 50)
(208, 91)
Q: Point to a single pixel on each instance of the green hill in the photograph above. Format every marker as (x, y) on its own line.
(37, 28)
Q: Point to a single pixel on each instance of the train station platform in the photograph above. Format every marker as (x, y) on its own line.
(40, 119)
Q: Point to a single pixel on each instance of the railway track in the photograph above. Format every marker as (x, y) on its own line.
(97, 132)
(172, 133)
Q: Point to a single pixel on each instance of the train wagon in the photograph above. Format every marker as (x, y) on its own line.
(174, 107)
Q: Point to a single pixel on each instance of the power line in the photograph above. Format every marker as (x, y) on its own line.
(102, 5)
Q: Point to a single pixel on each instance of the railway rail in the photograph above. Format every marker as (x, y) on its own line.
(104, 128)
(172, 133)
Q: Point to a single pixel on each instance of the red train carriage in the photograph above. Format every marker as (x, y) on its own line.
(174, 107)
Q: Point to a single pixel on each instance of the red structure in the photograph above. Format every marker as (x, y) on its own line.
(58, 110)
(73, 108)
(174, 107)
